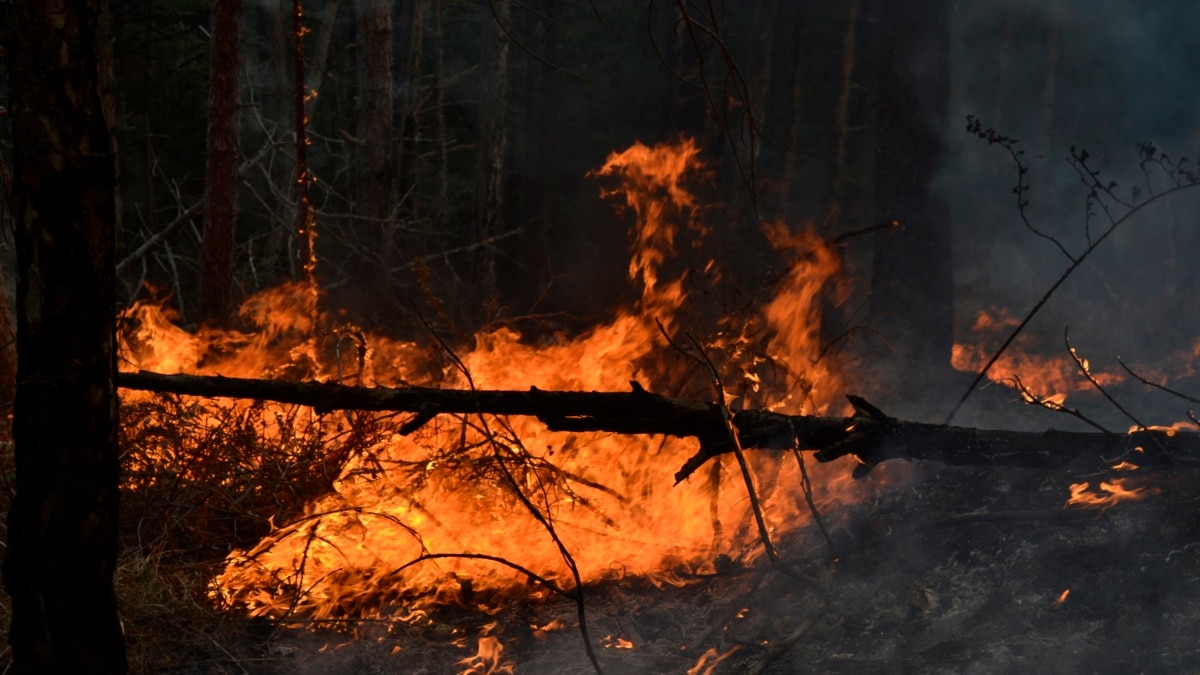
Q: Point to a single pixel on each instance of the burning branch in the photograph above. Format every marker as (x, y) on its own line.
(869, 435)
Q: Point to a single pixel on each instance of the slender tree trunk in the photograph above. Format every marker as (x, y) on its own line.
(221, 172)
(375, 175)
(306, 225)
(493, 148)
(442, 208)
(8, 352)
(62, 529)
(8, 326)
(407, 49)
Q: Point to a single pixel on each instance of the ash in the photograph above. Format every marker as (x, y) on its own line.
(952, 570)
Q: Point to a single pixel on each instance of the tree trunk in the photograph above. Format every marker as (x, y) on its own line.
(493, 149)
(221, 172)
(306, 225)
(62, 529)
(375, 175)
(870, 435)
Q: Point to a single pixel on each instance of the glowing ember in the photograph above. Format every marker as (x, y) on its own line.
(1062, 597)
(1110, 493)
(609, 642)
(709, 661)
(388, 538)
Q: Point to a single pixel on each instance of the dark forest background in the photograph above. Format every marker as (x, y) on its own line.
(450, 144)
(434, 155)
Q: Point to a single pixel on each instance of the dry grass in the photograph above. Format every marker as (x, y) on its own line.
(199, 478)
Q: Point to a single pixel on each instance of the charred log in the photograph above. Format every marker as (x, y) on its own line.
(869, 435)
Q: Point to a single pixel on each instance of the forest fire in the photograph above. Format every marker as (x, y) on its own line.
(471, 509)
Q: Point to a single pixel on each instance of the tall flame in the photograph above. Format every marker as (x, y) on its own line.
(386, 541)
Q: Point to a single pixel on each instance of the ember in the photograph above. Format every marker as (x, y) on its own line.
(1062, 597)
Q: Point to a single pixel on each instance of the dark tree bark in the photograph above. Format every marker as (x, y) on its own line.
(221, 172)
(8, 351)
(306, 225)
(493, 147)
(62, 528)
(870, 435)
(375, 109)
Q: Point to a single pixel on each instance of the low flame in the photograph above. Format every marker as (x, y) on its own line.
(1045, 380)
(388, 539)
(1110, 493)
(610, 642)
(710, 659)
(489, 660)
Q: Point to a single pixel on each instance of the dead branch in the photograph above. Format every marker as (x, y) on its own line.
(869, 435)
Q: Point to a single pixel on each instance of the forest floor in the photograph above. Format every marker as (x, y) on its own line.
(944, 570)
(950, 570)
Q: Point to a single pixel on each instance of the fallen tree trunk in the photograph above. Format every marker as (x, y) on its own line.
(869, 435)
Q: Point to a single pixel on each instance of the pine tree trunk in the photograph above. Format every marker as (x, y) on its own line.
(62, 529)
(493, 149)
(375, 175)
(221, 172)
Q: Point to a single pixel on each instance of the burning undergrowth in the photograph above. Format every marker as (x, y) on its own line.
(404, 538)
(340, 518)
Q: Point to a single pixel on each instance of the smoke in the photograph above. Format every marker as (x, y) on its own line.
(1101, 76)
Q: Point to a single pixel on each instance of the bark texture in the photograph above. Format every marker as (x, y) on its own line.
(62, 529)
(375, 110)
(493, 148)
(870, 435)
(221, 171)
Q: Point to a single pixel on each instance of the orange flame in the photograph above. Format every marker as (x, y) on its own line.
(1044, 379)
(1111, 493)
(376, 544)
(488, 660)
(710, 659)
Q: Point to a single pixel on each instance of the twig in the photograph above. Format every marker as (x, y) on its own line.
(1036, 399)
(846, 236)
(233, 659)
(184, 216)
(1132, 210)
(748, 478)
(806, 484)
(975, 126)
(550, 585)
(1156, 385)
(1087, 372)
(543, 519)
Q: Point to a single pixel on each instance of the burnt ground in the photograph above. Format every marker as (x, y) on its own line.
(951, 570)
